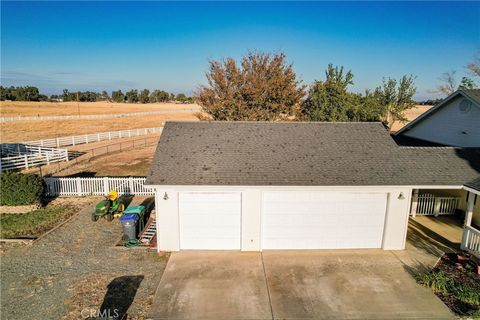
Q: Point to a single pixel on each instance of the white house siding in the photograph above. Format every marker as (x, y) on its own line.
(450, 126)
(168, 225)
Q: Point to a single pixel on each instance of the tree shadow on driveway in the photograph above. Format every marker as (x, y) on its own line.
(119, 297)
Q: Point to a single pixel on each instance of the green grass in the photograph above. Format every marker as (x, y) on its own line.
(34, 223)
(444, 283)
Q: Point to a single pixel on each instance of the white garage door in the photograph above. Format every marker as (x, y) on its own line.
(210, 220)
(323, 220)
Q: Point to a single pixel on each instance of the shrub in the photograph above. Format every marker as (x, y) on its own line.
(21, 189)
(441, 282)
(437, 281)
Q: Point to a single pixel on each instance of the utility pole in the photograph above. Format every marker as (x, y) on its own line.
(78, 103)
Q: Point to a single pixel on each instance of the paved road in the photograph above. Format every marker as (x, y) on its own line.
(361, 284)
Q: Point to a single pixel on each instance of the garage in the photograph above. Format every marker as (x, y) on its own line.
(323, 220)
(210, 220)
(254, 186)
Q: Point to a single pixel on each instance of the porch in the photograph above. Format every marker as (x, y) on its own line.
(445, 221)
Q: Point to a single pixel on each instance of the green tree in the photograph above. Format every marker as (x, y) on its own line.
(132, 96)
(118, 96)
(330, 100)
(144, 96)
(395, 98)
(466, 83)
(159, 96)
(181, 97)
(262, 87)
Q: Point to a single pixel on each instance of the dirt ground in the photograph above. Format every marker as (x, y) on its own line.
(35, 130)
(411, 115)
(76, 270)
(30, 108)
(134, 162)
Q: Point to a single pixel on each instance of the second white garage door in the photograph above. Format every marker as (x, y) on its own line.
(210, 220)
(323, 220)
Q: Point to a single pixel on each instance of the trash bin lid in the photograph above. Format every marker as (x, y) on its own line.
(134, 209)
(128, 217)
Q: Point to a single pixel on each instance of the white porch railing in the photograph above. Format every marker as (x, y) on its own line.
(429, 204)
(96, 186)
(471, 240)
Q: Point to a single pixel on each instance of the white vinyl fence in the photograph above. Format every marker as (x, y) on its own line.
(96, 186)
(19, 156)
(95, 116)
(429, 204)
(94, 137)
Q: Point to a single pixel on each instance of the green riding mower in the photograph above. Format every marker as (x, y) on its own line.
(108, 208)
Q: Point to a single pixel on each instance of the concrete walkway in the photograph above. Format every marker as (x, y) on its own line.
(326, 284)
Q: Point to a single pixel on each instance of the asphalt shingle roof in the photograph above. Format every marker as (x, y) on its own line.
(474, 184)
(301, 154)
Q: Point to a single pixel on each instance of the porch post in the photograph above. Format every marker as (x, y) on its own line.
(469, 211)
(413, 209)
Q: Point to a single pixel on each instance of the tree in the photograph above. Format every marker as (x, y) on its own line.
(466, 83)
(104, 96)
(181, 97)
(132, 96)
(118, 96)
(474, 66)
(395, 98)
(263, 87)
(330, 100)
(447, 85)
(144, 96)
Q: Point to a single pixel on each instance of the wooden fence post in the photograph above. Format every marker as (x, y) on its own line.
(25, 157)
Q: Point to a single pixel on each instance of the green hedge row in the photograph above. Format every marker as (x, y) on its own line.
(21, 189)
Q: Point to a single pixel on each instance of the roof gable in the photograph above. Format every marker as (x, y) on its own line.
(472, 95)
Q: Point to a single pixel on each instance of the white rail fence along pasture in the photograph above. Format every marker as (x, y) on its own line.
(429, 204)
(19, 156)
(79, 186)
(94, 137)
(94, 116)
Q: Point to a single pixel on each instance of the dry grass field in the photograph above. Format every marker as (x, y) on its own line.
(411, 115)
(35, 130)
(24, 108)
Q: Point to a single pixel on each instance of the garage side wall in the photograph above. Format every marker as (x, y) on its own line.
(166, 210)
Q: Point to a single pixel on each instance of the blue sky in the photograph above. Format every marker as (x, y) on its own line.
(167, 45)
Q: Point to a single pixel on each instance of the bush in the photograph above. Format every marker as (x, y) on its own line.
(21, 189)
(441, 282)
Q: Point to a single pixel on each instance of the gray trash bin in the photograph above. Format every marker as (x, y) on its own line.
(129, 224)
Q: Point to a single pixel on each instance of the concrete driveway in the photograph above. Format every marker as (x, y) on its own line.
(356, 284)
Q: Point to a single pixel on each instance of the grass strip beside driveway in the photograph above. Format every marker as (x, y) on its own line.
(34, 223)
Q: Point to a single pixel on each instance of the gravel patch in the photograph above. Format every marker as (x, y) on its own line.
(76, 268)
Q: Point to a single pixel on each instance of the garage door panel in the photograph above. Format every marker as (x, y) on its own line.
(323, 220)
(210, 220)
